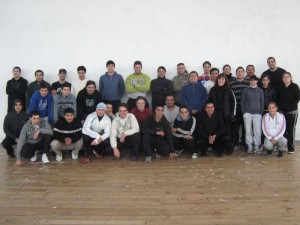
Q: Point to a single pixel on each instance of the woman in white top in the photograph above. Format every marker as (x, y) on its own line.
(273, 125)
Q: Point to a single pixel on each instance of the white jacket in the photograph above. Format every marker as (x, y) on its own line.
(273, 127)
(95, 128)
(129, 126)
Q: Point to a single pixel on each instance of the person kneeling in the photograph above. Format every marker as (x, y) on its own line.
(35, 134)
(273, 125)
(67, 135)
(96, 131)
(210, 131)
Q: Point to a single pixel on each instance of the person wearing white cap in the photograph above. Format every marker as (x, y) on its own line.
(96, 132)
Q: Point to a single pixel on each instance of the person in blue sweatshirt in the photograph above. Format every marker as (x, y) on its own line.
(111, 86)
(41, 101)
(193, 95)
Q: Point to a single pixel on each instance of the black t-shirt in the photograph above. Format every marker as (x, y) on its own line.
(58, 86)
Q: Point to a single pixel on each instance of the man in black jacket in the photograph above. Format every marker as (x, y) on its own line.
(210, 131)
(157, 134)
(67, 135)
(12, 126)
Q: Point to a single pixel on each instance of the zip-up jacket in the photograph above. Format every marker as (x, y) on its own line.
(184, 127)
(63, 129)
(273, 127)
(111, 87)
(42, 104)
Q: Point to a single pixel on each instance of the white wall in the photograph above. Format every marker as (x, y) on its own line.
(54, 34)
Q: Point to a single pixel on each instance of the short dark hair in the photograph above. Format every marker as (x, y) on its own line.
(161, 68)
(250, 66)
(81, 68)
(180, 64)
(110, 62)
(39, 71)
(183, 107)
(62, 71)
(206, 62)
(226, 66)
(159, 105)
(68, 110)
(214, 69)
(141, 98)
(240, 67)
(271, 57)
(137, 63)
(209, 102)
(18, 68)
(89, 82)
(65, 85)
(43, 85)
(123, 105)
(193, 72)
(34, 113)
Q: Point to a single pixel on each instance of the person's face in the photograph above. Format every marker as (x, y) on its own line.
(265, 81)
(271, 64)
(81, 74)
(66, 91)
(140, 104)
(90, 89)
(161, 73)
(250, 70)
(62, 76)
(109, 108)
(39, 76)
(193, 78)
(206, 68)
(16, 73)
(159, 111)
(122, 112)
(272, 109)
(253, 83)
(110, 68)
(18, 107)
(137, 69)
(69, 117)
(170, 102)
(286, 79)
(240, 73)
(35, 120)
(184, 113)
(209, 109)
(214, 75)
(227, 70)
(100, 112)
(43, 92)
(221, 81)
(181, 69)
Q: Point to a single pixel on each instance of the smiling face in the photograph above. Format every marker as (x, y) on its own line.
(39, 76)
(184, 113)
(272, 108)
(206, 68)
(122, 112)
(227, 70)
(271, 64)
(161, 73)
(193, 78)
(286, 78)
(221, 81)
(170, 101)
(209, 109)
(140, 104)
(81, 74)
(240, 73)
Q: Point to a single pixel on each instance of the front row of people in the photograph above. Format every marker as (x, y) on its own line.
(99, 135)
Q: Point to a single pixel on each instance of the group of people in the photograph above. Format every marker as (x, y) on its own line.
(189, 112)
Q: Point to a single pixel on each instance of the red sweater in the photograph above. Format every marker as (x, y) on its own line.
(141, 116)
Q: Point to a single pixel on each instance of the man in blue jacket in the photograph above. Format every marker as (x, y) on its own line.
(41, 101)
(193, 95)
(111, 86)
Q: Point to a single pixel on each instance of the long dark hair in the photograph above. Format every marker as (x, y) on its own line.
(226, 85)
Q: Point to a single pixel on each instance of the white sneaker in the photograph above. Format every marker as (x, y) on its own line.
(45, 158)
(59, 157)
(158, 156)
(74, 155)
(257, 150)
(275, 148)
(195, 156)
(250, 151)
(148, 159)
(34, 158)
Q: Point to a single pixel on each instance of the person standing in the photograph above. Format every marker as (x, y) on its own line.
(12, 126)
(160, 87)
(57, 86)
(288, 96)
(206, 73)
(16, 89)
(111, 86)
(214, 72)
(79, 84)
(180, 80)
(137, 84)
(274, 72)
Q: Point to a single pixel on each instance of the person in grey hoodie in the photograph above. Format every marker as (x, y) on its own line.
(64, 99)
(252, 107)
(35, 134)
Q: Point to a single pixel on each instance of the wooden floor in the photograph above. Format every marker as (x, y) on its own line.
(237, 189)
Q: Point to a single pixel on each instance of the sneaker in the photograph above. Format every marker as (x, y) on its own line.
(269, 152)
(236, 148)
(249, 151)
(45, 158)
(280, 153)
(195, 156)
(203, 154)
(74, 155)
(134, 158)
(34, 158)
(178, 152)
(99, 156)
(291, 150)
(275, 148)
(148, 159)
(257, 150)
(84, 160)
(59, 157)
(158, 156)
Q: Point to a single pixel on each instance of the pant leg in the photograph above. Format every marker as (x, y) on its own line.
(202, 144)
(248, 128)
(147, 144)
(291, 122)
(190, 145)
(161, 145)
(239, 123)
(87, 145)
(221, 143)
(56, 146)
(28, 150)
(77, 146)
(102, 146)
(257, 131)
(282, 143)
(268, 144)
(7, 144)
(133, 142)
(44, 144)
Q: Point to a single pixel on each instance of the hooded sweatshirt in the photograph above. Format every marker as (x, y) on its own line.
(42, 104)
(60, 103)
(86, 104)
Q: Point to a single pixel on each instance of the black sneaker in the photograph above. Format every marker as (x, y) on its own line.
(280, 153)
(134, 158)
(291, 151)
(269, 152)
(203, 154)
